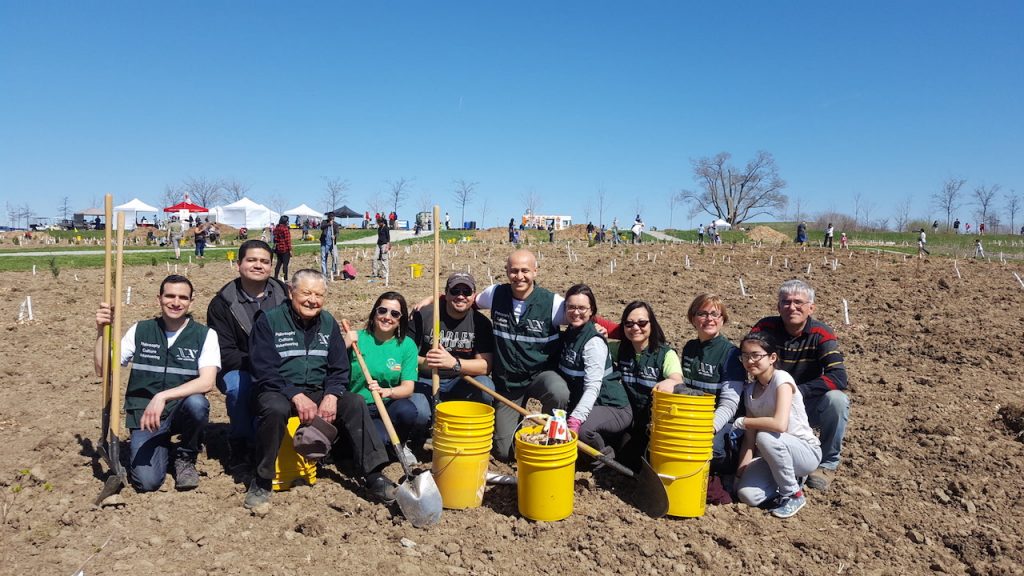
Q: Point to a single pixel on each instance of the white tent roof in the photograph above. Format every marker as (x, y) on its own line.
(131, 211)
(722, 224)
(245, 213)
(303, 210)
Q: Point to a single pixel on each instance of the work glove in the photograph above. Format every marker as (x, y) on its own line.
(574, 424)
(738, 424)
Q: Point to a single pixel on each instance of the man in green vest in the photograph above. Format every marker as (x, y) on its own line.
(174, 364)
(300, 368)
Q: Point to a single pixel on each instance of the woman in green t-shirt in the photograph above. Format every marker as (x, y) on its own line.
(390, 356)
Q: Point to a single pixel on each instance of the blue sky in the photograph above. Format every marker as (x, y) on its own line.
(558, 99)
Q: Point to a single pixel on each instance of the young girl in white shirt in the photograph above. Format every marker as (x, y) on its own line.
(779, 445)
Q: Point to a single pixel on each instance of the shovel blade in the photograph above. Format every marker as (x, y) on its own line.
(650, 495)
(420, 500)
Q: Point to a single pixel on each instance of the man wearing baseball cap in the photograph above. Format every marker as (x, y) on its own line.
(467, 346)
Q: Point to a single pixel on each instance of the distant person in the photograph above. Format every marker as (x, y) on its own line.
(700, 234)
(979, 251)
(201, 234)
(956, 226)
(511, 230)
(922, 240)
(967, 227)
(282, 247)
(328, 241)
(981, 229)
(590, 231)
(637, 230)
(801, 233)
(844, 242)
(447, 221)
(935, 227)
(381, 258)
(616, 239)
(175, 231)
(830, 233)
(348, 271)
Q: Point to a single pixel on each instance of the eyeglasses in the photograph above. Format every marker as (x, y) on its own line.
(578, 309)
(752, 356)
(460, 291)
(713, 314)
(637, 323)
(798, 304)
(384, 311)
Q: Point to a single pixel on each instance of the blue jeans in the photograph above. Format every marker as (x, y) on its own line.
(403, 416)
(829, 413)
(450, 389)
(236, 385)
(200, 247)
(151, 449)
(325, 253)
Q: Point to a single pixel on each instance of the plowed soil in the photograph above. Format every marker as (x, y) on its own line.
(931, 478)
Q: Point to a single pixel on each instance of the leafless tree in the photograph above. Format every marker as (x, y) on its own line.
(947, 198)
(335, 193)
(235, 190)
(798, 210)
(902, 214)
(172, 195)
(464, 195)
(65, 207)
(532, 201)
(483, 213)
(867, 208)
(673, 199)
(278, 203)
(377, 204)
(586, 212)
(601, 197)
(638, 206)
(1012, 208)
(202, 191)
(426, 203)
(737, 195)
(984, 197)
(399, 191)
(858, 206)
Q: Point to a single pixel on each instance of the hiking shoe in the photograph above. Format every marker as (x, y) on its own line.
(381, 488)
(790, 505)
(820, 479)
(186, 477)
(258, 493)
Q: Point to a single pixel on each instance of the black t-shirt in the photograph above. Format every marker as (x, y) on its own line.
(464, 338)
(383, 236)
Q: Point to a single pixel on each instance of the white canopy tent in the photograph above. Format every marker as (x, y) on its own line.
(245, 213)
(303, 210)
(722, 224)
(132, 209)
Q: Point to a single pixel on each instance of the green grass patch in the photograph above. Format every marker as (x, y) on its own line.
(728, 236)
(446, 235)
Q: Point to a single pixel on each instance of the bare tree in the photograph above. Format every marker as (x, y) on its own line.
(798, 209)
(638, 206)
(483, 213)
(377, 204)
(426, 203)
(673, 199)
(464, 195)
(867, 208)
(858, 205)
(202, 191)
(65, 207)
(601, 197)
(1012, 208)
(172, 195)
(737, 195)
(399, 191)
(984, 197)
(902, 214)
(278, 203)
(532, 202)
(335, 193)
(947, 198)
(586, 211)
(235, 190)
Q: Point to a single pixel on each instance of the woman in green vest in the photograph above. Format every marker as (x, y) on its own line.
(391, 358)
(646, 362)
(599, 410)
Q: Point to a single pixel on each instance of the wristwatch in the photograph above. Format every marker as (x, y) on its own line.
(457, 367)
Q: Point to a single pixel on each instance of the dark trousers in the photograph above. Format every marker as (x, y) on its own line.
(357, 433)
(283, 260)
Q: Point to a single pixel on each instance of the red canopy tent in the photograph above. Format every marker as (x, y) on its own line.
(185, 206)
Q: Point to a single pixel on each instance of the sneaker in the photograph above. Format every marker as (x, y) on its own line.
(820, 479)
(186, 477)
(258, 493)
(790, 505)
(382, 488)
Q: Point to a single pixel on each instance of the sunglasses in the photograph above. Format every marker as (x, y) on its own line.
(384, 311)
(460, 291)
(632, 323)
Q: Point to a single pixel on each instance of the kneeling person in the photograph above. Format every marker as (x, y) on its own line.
(174, 364)
(300, 368)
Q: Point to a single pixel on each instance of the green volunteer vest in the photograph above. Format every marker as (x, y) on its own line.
(157, 367)
(527, 347)
(571, 367)
(703, 361)
(640, 373)
(301, 366)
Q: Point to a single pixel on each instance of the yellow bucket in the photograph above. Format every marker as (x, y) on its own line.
(462, 446)
(290, 466)
(545, 477)
(688, 487)
(416, 270)
(682, 434)
(702, 402)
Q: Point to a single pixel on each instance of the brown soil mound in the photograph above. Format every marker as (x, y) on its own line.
(767, 235)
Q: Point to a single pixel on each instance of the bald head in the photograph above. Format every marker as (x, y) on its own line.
(521, 269)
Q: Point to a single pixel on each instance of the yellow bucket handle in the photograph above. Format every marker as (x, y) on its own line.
(684, 477)
(458, 452)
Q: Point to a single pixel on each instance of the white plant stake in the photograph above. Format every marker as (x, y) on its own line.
(808, 267)
(957, 268)
(835, 263)
(175, 268)
(846, 312)
(785, 263)
(128, 297)
(687, 262)
(743, 289)
(771, 260)
(1015, 275)
(33, 269)
(489, 277)
(28, 304)
(189, 259)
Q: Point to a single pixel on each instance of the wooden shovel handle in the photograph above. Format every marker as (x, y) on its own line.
(435, 377)
(376, 396)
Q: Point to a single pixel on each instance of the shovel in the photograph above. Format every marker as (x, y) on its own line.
(649, 496)
(435, 378)
(110, 422)
(418, 497)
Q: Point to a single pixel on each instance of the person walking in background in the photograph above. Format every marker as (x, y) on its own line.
(200, 235)
(801, 233)
(700, 234)
(981, 229)
(380, 260)
(979, 251)
(956, 226)
(590, 232)
(935, 227)
(175, 230)
(922, 239)
(282, 247)
(511, 230)
(616, 239)
(844, 242)
(447, 221)
(328, 240)
(830, 233)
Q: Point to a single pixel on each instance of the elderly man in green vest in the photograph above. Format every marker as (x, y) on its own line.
(174, 364)
(300, 368)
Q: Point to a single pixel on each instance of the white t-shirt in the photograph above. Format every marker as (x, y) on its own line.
(764, 405)
(208, 356)
(485, 299)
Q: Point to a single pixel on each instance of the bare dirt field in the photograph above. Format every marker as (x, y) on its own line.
(931, 479)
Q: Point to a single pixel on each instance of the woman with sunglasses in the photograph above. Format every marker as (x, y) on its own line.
(598, 406)
(391, 358)
(646, 361)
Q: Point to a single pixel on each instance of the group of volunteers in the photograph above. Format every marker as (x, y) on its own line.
(275, 352)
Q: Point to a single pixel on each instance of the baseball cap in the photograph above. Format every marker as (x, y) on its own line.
(315, 439)
(456, 278)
